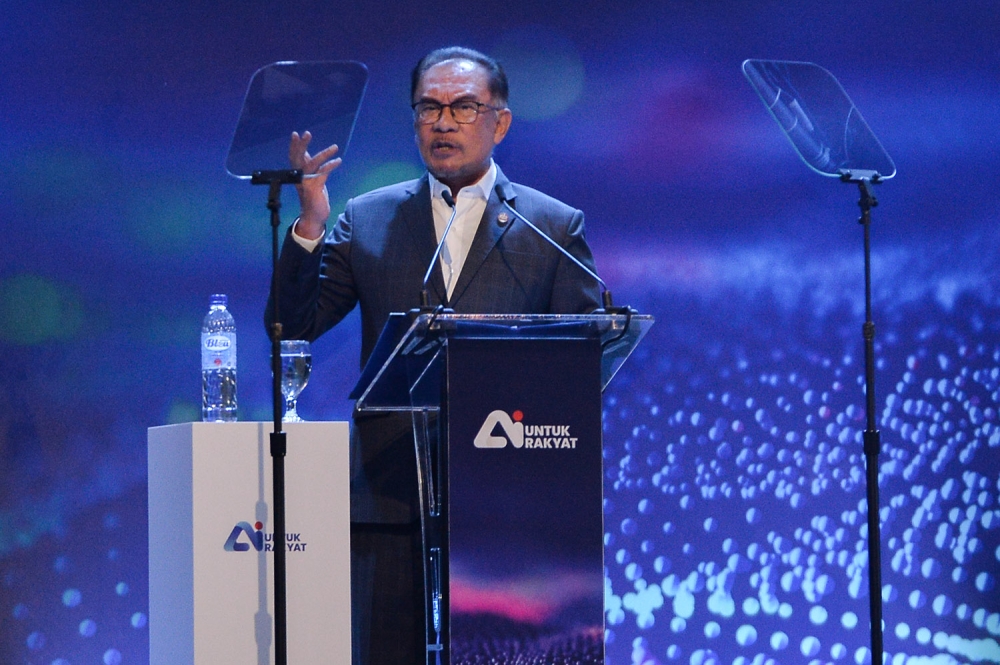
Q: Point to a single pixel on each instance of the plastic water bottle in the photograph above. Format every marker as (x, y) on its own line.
(218, 363)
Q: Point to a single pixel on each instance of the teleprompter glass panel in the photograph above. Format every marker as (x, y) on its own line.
(284, 97)
(818, 117)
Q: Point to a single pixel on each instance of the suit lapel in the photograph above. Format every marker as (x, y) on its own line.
(487, 236)
(419, 219)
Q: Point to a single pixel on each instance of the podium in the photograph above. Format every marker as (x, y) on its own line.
(506, 412)
(210, 568)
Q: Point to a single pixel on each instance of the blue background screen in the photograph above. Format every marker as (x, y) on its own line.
(734, 476)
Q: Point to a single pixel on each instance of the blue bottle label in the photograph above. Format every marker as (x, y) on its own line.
(218, 351)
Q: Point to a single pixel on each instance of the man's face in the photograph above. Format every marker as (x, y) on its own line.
(458, 154)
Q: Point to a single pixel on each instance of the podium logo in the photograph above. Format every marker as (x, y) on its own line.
(515, 432)
(260, 541)
(254, 535)
(511, 425)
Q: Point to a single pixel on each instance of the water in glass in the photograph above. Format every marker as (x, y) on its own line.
(296, 364)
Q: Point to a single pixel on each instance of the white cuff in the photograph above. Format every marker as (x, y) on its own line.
(305, 243)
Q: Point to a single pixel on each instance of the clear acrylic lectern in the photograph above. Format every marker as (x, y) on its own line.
(507, 423)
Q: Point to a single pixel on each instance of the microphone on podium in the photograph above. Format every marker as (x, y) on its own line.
(425, 301)
(605, 293)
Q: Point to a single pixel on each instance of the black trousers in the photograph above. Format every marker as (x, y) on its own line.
(387, 595)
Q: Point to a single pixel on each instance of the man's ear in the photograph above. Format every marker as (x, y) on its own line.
(504, 118)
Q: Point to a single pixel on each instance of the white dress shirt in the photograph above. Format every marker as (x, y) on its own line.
(470, 204)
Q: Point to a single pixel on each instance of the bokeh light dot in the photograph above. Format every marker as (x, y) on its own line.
(704, 657)
(88, 628)
(36, 310)
(72, 597)
(36, 640)
(818, 615)
(547, 68)
(746, 635)
(942, 605)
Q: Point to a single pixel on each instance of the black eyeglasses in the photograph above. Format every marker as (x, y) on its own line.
(464, 112)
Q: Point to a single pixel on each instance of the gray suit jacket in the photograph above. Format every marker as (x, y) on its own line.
(376, 256)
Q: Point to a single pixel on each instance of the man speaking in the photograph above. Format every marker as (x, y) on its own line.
(376, 257)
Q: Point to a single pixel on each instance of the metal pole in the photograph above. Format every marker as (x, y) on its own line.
(872, 444)
(275, 179)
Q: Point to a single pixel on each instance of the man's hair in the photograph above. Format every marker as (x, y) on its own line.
(497, 77)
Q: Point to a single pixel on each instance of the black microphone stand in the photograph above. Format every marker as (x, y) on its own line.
(607, 302)
(274, 180)
(425, 305)
(872, 444)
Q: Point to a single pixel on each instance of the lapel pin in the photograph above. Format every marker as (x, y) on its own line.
(502, 219)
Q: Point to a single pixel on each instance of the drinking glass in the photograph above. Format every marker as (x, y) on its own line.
(296, 364)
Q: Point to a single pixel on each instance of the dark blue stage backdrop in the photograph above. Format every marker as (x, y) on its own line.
(734, 478)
